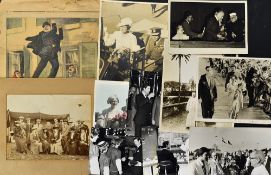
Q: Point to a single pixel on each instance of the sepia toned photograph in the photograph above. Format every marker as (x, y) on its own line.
(41, 47)
(234, 88)
(130, 40)
(144, 100)
(112, 151)
(48, 127)
(220, 26)
(233, 151)
(179, 94)
(110, 104)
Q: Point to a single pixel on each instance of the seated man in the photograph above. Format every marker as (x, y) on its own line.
(166, 155)
(235, 28)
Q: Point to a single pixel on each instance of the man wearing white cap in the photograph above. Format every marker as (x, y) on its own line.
(235, 28)
(123, 38)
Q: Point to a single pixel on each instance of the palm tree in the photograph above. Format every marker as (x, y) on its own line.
(180, 57)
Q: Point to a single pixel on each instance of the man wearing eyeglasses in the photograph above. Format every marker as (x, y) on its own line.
(257, 161)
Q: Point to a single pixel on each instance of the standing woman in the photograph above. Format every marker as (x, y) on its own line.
(233, 100)
(112, 113)
(20, 138)
(94, 153)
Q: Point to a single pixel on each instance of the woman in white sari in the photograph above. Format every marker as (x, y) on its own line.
(191, 108)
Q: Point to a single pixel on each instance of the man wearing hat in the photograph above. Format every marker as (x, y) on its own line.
(104, 160)
(46, 45)
(186, 24)
(28, 129)
(143, 109)
(155, 46)
(235, 28)
(22, 123)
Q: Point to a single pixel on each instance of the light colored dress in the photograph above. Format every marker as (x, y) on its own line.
(93, 159)
(191, 107)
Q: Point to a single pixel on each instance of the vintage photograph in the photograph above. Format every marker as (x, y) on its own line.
(51, 47)
(48, 127)
(173, 153)
(220, 26)
(144, 100)
(179, 93)
(234, 88)
(113, 152)
(131, 40)
(110, 104)
(229, 151)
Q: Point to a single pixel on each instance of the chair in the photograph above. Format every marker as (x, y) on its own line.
(164, 165)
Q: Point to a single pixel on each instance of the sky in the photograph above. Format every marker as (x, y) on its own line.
(52, 104)
(241, 138)
(104, 89)
(188, 69)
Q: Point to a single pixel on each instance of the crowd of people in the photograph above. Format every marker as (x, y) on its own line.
(115, 155)
(60, 137)
(215, 28)
(213, 162)
(245, 78)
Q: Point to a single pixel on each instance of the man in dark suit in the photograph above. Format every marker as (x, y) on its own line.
(250, 85)
(207, 93)
(166, 155)
(212, 30)
(235, 28)
(46, 45)
(188, 18)
(136, 161)
(267, 162)
(143, 109)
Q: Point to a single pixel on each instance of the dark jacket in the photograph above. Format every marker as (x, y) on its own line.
(211, 30)
(188, 30)
(37, 43)
(207, 92)
(143, 110)
(166, 155)
(237, 28)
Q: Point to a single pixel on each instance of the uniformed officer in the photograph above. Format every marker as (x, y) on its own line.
(155, 46)
(114, 154)
(137, 159)
(104, 160)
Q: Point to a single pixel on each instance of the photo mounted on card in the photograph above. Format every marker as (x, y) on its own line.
(234, 89)
(48, 127)
(130, 40)
(112, 151)
(229, 151)
(208, 27)
(110, 104)
(53, 47)
(179, 94)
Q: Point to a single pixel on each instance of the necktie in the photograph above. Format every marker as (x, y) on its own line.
(203, 168)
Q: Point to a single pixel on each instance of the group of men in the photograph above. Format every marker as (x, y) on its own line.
(248, 162)
(130, 51)
(215, 29)
(59, 137)
(116, 158)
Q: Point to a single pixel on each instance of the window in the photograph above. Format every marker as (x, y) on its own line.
(14, 23)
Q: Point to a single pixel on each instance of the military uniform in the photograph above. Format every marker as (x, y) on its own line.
(113, 154)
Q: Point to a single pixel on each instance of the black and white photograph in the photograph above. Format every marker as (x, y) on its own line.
(179, 94)
(130, 40)
(113, 152)
(173, 153)
(234, 88)
(208, 27)
(229, 151)
(144, 100)
(48, 127)
(110, 104)
(42, 47)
